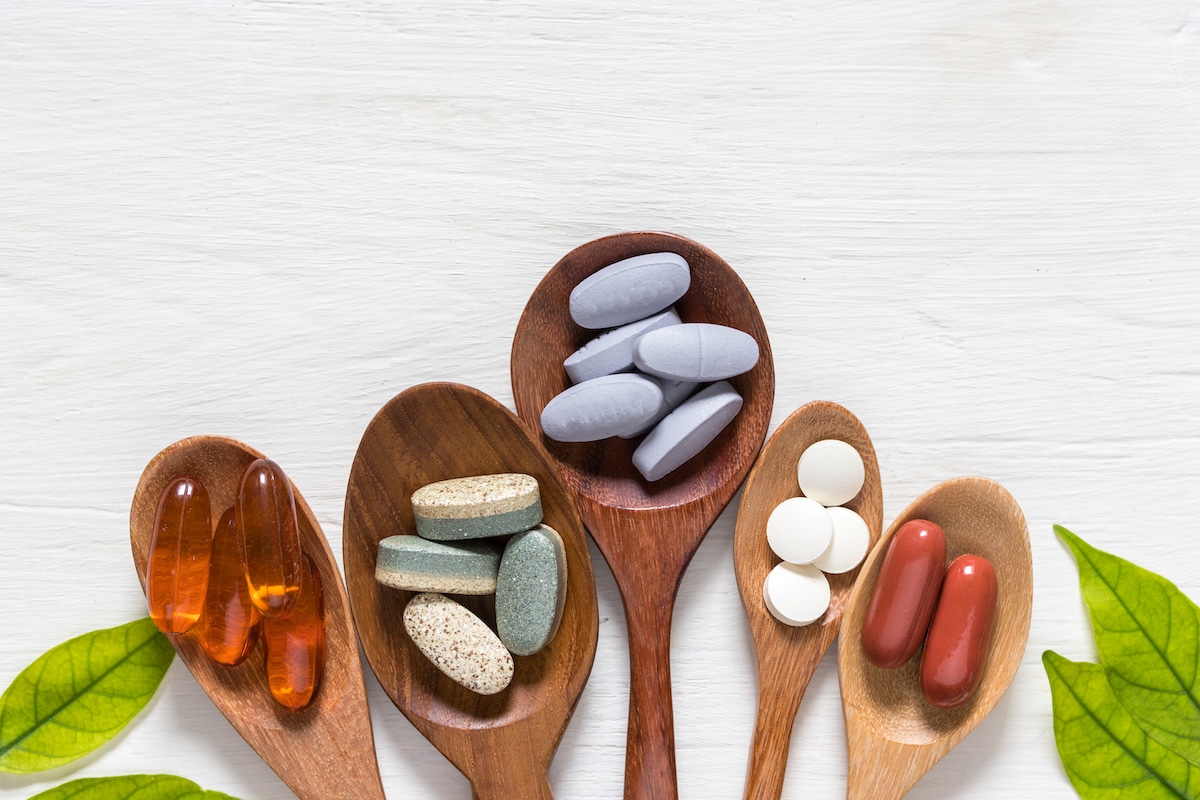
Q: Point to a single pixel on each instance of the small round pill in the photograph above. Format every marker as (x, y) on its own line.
(796, 594)
(831, 472)
(849, 544)
(799, 530)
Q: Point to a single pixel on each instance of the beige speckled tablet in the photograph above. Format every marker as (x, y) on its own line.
(458, 643)
(477, 507)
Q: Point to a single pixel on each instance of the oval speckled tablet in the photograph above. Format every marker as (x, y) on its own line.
(531, 589)
(687, 430)
(421, 565)
(613, 351)
(630, 290)
(477, 507)
(458, 643)
(601, 407)
(696, 351)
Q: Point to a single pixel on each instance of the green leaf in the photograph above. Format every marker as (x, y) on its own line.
(79, 695)
(1106, 753)
(127, 787)
(1148, 636)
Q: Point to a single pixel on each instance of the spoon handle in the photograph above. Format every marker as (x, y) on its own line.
(650, 742)
(779, 697)
(529, 786)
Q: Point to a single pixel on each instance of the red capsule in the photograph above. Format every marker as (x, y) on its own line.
(956, 647)
(180, 547)
(905, 593)
(295, 644)
(270, 536)
(229, 625)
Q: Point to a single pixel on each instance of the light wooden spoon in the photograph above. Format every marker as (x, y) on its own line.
(648, 532)
(788, 656)
(894, 735)
(502, 743)
(326, 750)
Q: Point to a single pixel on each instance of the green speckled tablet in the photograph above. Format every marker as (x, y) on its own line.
(419, 565)
(530, 590)
(477, 507)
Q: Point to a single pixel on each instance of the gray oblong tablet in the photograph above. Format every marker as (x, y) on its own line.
(531, 589)
(687, 430)
(420, 565)
(477, 506)
(630, 290)
(613, 351)
(602, 407)
(696, 351)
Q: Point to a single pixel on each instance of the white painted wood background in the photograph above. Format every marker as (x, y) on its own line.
(976, 224)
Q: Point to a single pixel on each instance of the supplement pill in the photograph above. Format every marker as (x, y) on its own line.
(602, 407)
(295, 644)
(687, 430)
(270, 536)
(477, 506)
(178, 562)
(613, 351)
(420, 565)
(696, 351)
(849, 544)
(629, 290)
(531, 589)
(831, 472)
(229, 625)
(905, 593)
(956, 647)
(799, 530)
(458, 643)
(796, 594)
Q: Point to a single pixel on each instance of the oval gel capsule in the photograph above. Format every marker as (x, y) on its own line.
(229, 625)
(270, 536)
(956, 647)
(180, 549)
(295, 644)
(905, 593)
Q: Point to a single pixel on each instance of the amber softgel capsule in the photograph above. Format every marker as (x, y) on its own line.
(270, 537)
(295, 644)
(229, 625)
(178, 563)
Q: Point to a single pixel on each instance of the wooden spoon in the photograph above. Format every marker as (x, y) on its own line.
(648, 532)
(326, 750)
(894, 735)
(788, 656)
(502, 743)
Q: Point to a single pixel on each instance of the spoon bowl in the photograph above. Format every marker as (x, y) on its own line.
(894, 736)
(647, 532)
(326, 750)
(788, 656)
(502, 743)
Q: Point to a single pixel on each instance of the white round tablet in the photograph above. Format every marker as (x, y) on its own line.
(830, 472)
(796, 594)
(799, 530)
(851, 540)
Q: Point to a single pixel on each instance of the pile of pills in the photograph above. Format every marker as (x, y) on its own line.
(815, 534)
(646, 374)
(914, 585)
(249, 580)
(478, 535)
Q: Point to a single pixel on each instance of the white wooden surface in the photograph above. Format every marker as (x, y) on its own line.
(973, 223)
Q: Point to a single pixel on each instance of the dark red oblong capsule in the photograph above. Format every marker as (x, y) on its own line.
(295, 644)
(180, 548)
(229, 625)
(956, 646)
(905, 592)
(270, 536)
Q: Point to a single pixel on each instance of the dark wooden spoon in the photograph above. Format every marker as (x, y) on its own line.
(894, 736)
(788, 656)
(326, 750)
(648, 532)
(502, 743)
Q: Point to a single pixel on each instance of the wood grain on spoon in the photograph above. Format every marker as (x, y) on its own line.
(326, 750)
(502, 743)
(894, 735)
(788, 656)
(648, 532)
